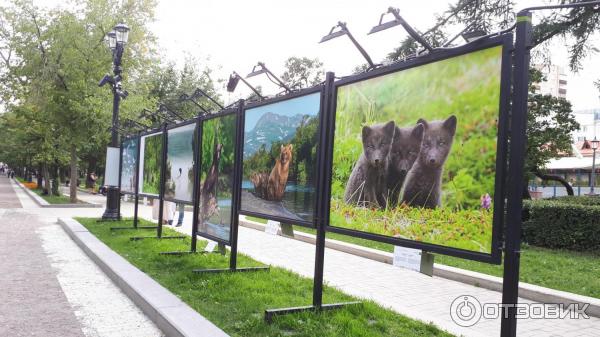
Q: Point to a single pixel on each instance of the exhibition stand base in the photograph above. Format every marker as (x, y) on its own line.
(270, 313)
(133, 228)
(230, 270)
(137, 238)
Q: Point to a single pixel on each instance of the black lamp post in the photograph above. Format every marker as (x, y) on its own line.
(117, 39)
(595, 144)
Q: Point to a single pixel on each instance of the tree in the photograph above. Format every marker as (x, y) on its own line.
(550, 122)
(167, 84)
(302, 72)
(52, 61)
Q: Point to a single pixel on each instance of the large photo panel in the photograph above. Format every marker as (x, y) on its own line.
(129, 153)
(414, 153)
(280, 159)
(217, 177)
(179, 180)
(150, 163)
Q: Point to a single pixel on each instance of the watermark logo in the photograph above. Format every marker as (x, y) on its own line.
(466, 310)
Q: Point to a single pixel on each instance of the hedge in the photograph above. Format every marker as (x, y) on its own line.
(579, 200)
(570, 223)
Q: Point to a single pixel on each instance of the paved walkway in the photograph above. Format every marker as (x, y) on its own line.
(409, 293)
(49, 286)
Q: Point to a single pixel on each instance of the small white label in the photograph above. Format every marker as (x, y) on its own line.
(407, 258)
(272, 227)
(125, 197)
(210, 246)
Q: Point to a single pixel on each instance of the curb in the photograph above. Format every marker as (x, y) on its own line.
(171, 315)
(43, 203)
(528, 291)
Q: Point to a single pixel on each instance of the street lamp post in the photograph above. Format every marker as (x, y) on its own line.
(595, 144)
(117, 39)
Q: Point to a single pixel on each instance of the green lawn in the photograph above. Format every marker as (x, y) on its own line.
(236, 301)
(53, 199)
(557, 269)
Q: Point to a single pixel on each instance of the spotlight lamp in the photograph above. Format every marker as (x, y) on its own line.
(343, 30)
(398, 20)
(235, 78)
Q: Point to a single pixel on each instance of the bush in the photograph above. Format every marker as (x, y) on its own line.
(579, 200)
(568, 223)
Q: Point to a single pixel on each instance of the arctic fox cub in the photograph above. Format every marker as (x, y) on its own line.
(423, 187)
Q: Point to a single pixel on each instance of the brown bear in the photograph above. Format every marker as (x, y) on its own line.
(279, 174)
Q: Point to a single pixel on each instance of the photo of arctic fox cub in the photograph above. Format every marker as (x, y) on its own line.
(404, 152)
(423, 187)
(367, 183)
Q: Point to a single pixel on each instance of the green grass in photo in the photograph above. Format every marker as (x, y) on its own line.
(236, 301)
(152, 164)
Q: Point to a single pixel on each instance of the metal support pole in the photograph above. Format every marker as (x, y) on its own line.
(197, 166)
(320, 240)
(237, 182)
(137, 181)
(161, 189)
(593, 182)
(113, 198)
(112, 194)
(510, 286)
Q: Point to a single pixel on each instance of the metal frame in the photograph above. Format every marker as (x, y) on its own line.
(220, 114)
(135, 193)
(160, 197)
(294, 95)
(123, 140)
(236, 196)
(172, 127)
(142, 135)
(495, 256)
(321, 211)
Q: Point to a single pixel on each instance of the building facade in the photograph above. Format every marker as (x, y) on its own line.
(556, 81)
(589, 125)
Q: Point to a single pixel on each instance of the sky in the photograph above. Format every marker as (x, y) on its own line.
(233, 35)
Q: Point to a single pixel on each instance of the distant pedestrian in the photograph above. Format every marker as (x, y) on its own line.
(91, 182)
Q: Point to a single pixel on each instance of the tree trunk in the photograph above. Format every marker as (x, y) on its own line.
(73, 169)
(561, 180)
(55, 181)
(39, 178)
(46, 174)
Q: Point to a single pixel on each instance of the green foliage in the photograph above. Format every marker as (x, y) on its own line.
(235, 302)
(550, 122)
(563, 223)
(467, 87)
(577, 200)
(302, 72)
(152, 164)
(221, 130)
(167, 83)
(51, 62)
